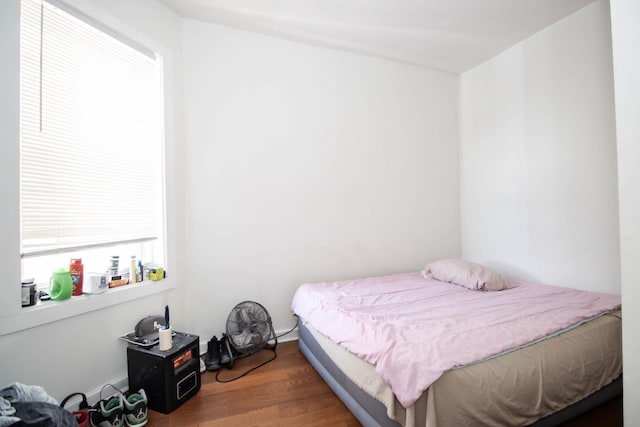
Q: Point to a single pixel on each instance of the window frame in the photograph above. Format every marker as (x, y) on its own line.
(98, 150)
(13, 317)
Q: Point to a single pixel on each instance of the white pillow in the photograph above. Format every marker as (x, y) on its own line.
(468, 274)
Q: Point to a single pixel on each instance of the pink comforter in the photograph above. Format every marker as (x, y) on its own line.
(413, 329)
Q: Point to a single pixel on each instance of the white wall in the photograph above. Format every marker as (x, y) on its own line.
(300, 163)
(538, 157)
(9, 152)
(625, 29)
(308, 164)
(81, 352)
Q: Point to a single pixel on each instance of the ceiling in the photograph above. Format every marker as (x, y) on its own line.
(448, 35)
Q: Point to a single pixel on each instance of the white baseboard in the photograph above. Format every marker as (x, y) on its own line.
(291, 336)
(93, 396)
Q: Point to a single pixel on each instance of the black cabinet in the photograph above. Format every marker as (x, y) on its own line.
(169, 378)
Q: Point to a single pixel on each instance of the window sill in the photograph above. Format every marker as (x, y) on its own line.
(52, 311)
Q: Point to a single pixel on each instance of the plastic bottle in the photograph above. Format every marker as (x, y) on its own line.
(114, 264)
(76, 271)
(132, 271)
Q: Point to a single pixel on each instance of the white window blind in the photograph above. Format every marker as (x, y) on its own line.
(91, 139)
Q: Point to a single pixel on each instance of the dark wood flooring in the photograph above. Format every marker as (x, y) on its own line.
(289, 392)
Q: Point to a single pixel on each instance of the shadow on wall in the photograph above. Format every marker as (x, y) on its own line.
(512, 271)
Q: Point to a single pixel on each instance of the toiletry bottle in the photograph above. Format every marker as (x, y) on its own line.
(113, 266)
(132, 271)
(76, 272)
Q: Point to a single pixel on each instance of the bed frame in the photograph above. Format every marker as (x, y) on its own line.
(371, 413)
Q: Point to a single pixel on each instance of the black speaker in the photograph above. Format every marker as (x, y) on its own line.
(169, 378)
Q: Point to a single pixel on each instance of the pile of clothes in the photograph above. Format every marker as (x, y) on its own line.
(25, 405)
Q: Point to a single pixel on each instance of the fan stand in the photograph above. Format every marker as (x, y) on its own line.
(267, 346)
(241, 355)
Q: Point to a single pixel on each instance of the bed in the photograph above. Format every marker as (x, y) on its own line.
(554, 356)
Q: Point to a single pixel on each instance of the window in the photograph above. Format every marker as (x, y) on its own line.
(91, 166)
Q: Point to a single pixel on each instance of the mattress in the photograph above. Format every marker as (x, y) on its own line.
(435, 354)
(543, 384)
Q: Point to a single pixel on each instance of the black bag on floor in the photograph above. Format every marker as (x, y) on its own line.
(42, 414)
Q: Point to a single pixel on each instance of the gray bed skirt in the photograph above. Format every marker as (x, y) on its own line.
(371, 413)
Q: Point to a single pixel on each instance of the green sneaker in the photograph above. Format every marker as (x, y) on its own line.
(108, 412)
(135, 409)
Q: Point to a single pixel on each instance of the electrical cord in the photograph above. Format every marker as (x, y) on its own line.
(268, 347)
(250, 369)
(83, 403)
(271, 347)
(288, 332)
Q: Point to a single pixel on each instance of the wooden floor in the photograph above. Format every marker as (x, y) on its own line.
(289, 392)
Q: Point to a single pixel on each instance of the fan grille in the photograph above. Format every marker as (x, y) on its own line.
(249, 327)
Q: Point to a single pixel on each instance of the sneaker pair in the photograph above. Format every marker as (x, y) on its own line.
(219, 353)
(135, 409)
(116, 410)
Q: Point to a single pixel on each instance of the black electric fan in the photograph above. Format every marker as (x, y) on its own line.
(249, 330)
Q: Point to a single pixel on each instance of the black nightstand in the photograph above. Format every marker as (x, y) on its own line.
(169, 378)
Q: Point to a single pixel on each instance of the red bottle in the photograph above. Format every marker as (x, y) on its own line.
(76, 272)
